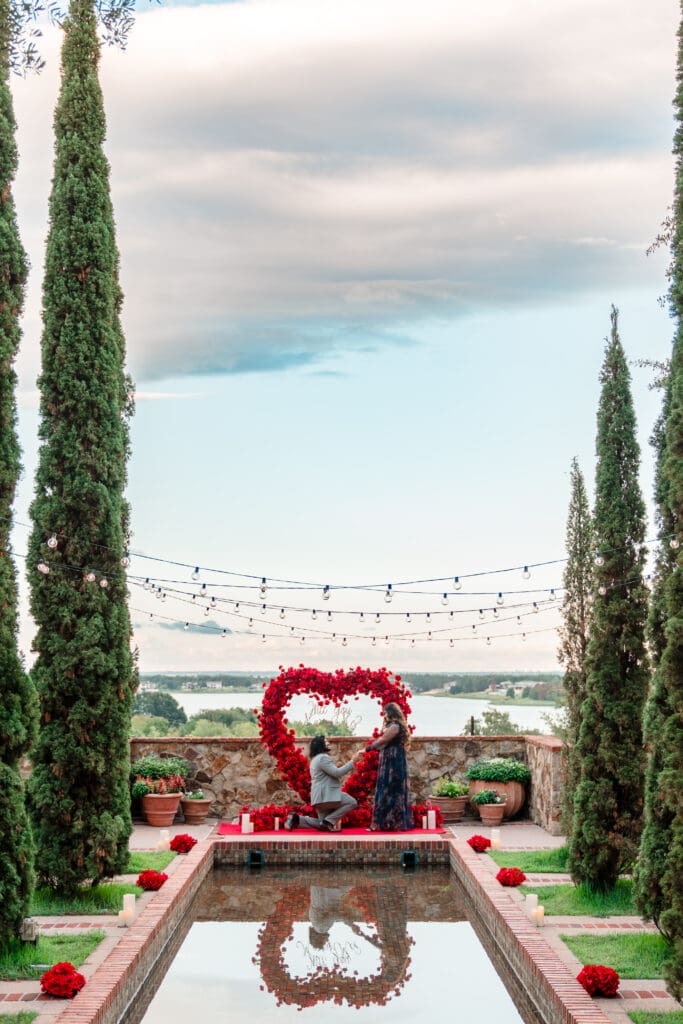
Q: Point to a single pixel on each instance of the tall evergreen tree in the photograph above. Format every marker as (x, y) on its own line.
(576, 614)
(609, 800)
(78, 790)
(17, 696)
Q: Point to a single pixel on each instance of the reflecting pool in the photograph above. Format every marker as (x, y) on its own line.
(357, 944)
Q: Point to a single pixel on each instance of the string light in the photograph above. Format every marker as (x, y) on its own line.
(388, 596)
(250, 623)
(213, 602)
(500, 599)
(224, 634)
(52, 542)
(378, 618)
(457, 585)
(674, 543)
(326, 593)
(599, 559)
(408, 617)
(263, 638)
(104, 583)
(535, 608)
(125, 561)
(282, 613)
(451, 643)
(195, 574)
(186, 626)
(90, 578)
(43, 568)
(428, 617)
(314, 615)
(207, 610)
(263, 609)
(329, 616)
(481, 614)
(552, 595)
(361, 618)
(444, 599)
(602, 590)
(526, 575)
(263, 586)
(344, 642)
(488, 641)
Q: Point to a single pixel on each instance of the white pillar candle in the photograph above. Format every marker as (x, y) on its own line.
(431, 819)
(277, 824)
(495, 839)
(530, 902)
(537, 915)
(126, 917)
(164, 840)
(244, 822)
(129, 902)
(424, 821)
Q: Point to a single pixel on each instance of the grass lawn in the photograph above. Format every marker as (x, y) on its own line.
(644, 1017)
(157, 861)
(17, 1018)
(631, 956)
(99, 899)
(540, 861)
(20, 961)
(575, 899)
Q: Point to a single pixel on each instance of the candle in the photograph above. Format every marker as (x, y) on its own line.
(129, 902)
(126, 917)
(244, 822)
(495, 839)
(277, 824)
(537, 915)
(431, 819)
(164, 840)
(424, 821)
(530, 902)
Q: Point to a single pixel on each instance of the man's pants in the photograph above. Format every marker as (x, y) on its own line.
(332, 812)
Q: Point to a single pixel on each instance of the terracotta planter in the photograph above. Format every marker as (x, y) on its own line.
(452, 807)
(514, 793)
(160, 809)
(491, 814)
(195, 811)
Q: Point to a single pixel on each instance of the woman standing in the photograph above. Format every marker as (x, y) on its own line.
(391, 811)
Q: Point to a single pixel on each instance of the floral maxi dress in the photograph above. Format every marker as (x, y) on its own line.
(391, 811)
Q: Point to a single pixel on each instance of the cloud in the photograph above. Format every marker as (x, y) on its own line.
(208, 628)
(317, 177)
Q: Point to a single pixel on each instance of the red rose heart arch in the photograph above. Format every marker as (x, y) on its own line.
(327, 688)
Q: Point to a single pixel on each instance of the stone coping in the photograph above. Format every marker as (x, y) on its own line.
(162, 922)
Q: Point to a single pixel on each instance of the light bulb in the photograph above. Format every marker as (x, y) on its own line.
(408, 617)
(602, 590)
(519, 620)
(386, 639)
(457, 585)
(104, 583)
(488, 641)
(474, 627)
(43, 567)
(377, 617)
(250, 624)
(674, 543)
(195, 574)
(303, 640)
(151, 617)
(495, 612)
(194, 597)
(451, 643)
(500, 598)
(90, 578)
(361, 617)
(599, 560)
(204, 591)
(213, 602)
(444, 599)
(146, 585)
(157, 593)
(344, 642)
(52, 542)
(282, 613)
(186, 626)
(481, 614)
(125, 561)
(237, 608)
(207, 610)
(329, 616)
(451, 615)
(552, 595)
(428, 617)
(535, 607)
(263, 586)
(224, 634)
(374, 641)
(163, 593)
(291, 630)
(526, 575)
(314, 615)
(523, 637)
(333, 637)
(326, 593)
(429, 635)
(263, 638)
(412, 643)
(263, 609)
(388, 596)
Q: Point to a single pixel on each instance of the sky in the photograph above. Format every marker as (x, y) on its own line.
(368, 253)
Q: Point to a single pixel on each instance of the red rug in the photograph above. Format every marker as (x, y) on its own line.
(226, 829)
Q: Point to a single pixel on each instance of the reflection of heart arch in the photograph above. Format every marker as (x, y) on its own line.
(330, 984)
(326, 688)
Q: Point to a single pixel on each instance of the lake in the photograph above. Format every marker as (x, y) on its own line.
(432, 716)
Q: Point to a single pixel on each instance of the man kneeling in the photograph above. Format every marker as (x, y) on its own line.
(329, 802)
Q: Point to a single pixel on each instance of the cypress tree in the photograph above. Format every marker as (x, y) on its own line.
(609, 799)
(576, 613)
(84, 672)
(17, 696)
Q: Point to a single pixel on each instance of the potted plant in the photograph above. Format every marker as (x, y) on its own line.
(490, 805)
(506, 776)
(158, 782)
(450, 797)
(195, 806)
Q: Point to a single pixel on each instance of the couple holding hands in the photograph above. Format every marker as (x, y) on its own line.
(391, 811)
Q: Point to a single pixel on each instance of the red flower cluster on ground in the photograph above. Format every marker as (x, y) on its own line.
(150, 881)
(479, 844)
(327, 688)
(62, 981)
(510, 876)
(183, 843)
(420, 810)
(598, 980)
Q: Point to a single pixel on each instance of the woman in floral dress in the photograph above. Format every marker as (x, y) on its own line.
(391, 811)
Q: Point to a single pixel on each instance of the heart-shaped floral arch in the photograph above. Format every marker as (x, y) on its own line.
(327, 688)
(331, 984)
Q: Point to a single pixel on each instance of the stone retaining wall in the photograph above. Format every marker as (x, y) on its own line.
(235, 771)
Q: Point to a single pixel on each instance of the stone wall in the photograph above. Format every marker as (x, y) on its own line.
(235, 772)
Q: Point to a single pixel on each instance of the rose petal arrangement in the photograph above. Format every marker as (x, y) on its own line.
(479, 844)
(150, 880)
(510, 876)
(598, 980)
(62, 981)
(182, 843)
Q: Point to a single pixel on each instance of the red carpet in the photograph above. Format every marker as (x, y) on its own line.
(225, 829)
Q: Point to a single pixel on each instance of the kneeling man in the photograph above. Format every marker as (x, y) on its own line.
(328, 800)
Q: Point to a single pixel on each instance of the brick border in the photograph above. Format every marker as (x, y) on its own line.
(542, 980)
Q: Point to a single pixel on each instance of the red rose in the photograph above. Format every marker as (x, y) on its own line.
(183, 843)
(62, 981)
(150, 881)
(479, 843)
(511, 876)
(598, 980)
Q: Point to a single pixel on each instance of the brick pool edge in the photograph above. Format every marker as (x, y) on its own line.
(112, 988)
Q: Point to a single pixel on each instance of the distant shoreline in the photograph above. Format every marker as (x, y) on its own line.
(492, 698)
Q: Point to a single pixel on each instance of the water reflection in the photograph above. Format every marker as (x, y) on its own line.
(375, 913)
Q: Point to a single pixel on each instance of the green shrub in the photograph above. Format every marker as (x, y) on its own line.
(499, 769)
(446, 787)
(154, 767)
(487, 796)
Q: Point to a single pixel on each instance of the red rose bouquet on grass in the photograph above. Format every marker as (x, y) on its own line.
(183, 843)
(598, 980)
(479, 844)
(510, 876)
(62, 981)
(150, 881)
